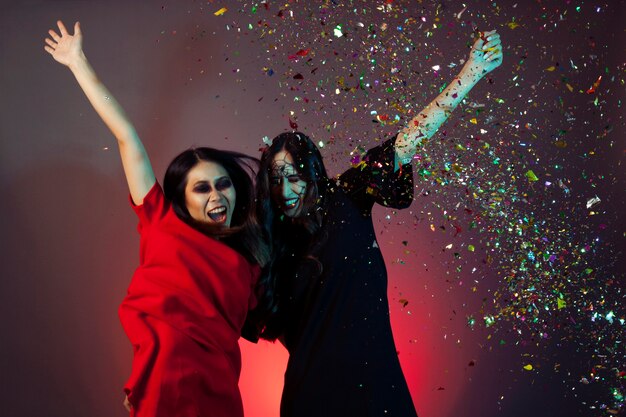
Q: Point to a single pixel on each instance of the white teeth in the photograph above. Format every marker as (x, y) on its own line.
(218, 214)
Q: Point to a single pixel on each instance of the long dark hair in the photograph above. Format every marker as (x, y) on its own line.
(245, 234)
(277, 227)
(310, 166)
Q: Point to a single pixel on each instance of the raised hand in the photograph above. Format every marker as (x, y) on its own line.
(65, 48)
(486, 54)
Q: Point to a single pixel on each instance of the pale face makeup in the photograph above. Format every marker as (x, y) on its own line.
(210, 194)
(287, 188)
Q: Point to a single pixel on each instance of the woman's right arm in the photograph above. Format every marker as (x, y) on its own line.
(67, 50)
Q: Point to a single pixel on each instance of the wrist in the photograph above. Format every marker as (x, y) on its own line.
(79, 62)
(470, 74)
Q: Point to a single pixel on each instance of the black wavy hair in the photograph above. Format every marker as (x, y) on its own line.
(277, 228)
(245, 234)
(310, 166)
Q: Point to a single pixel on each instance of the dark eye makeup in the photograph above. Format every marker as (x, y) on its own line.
(221, 184)
(202, 187)
(291, 178)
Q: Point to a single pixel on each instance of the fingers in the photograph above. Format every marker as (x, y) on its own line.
(486, 41)
(487, 36)
(492, 48)
(51, 43)
(77, 31)
(488, 49)
(62, 28)
(490, 57)
(494, 55)
(127, 404)
(492, 41)
(54, 35)
(51, 46)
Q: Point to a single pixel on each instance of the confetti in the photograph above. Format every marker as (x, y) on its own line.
(514, 177)
(593, 201)
(220, 11)
(531, 176)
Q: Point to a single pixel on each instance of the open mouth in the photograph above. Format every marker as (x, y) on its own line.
(218, 214)
(291, 203)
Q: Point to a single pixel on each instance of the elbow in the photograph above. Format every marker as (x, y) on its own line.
(125, 134)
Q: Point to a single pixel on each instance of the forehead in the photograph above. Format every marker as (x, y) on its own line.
(206, 171)
(283, 164)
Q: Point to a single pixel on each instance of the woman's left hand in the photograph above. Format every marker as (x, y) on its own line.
(486, 54)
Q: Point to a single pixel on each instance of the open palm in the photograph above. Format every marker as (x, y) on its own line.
(64, 48)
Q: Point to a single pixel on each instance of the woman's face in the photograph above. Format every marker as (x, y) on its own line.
(210, 194)
(287, 188)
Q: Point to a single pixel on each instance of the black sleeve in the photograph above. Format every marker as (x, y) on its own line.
(373, 180)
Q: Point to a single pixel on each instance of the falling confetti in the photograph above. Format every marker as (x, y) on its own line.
(593, 201)
(510, 183)
(220, 11)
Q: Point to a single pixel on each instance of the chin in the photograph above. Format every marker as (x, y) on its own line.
(225, 223)
(294, 212)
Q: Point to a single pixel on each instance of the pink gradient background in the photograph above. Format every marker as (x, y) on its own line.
(69, 240)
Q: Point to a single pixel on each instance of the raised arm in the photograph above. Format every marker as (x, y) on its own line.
(485, 56)
(67, 50)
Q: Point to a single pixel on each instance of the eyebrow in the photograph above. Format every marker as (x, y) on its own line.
(216, 180)
(283, 175)
(284, 168)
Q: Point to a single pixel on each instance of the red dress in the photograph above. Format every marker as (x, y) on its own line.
(183, 314)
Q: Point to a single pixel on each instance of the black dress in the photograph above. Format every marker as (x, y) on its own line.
(333, 305)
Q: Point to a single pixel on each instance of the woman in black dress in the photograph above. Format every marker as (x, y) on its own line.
(330, 283)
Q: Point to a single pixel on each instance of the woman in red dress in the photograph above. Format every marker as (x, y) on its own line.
(200, 251)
